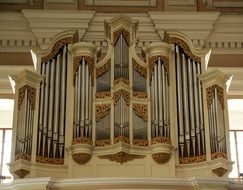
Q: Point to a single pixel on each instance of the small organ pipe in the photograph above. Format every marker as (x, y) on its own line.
(86, 100)
(90, 106)
(78, 100)
(82, 97)
(57, 94)
(156, 98)
(163, 99)
(161, 119)
(152, 107)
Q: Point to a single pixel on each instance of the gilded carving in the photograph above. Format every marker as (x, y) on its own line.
(121, 139)
(104, 94)
(140, 94)
(57, 46)
(103, 69)
(21, 173)
(161, 158)
(157, 140)
(23, 156)
(140, 142)
(82, 140)
(53, 161)
(122, 31)
(141, 110)
(124, 94)
(190, 160)
(210, 95)
(103, 142)
(220, 171)
(185, 47)
(121, 79)
(218, 155)
(140, 69)
(81, 158)
(121, 157)
(101, 111)
(31, 94)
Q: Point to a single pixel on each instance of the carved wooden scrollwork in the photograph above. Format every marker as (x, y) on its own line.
(31, 94)
(190, 160)
(101, 111)
(121, 79)
(89, 61)
(185, 47)
(122, 31)
(141, 110)
(161, 158)
(82, 140)
(21, 173)
(218, 155)
(156, 140)
(140, 69)
(210, 94)
(121, 157)
(103, 69)
(140, 94)
(23, 156)
(140, 142)
(220, 171)
(53, 161)
(153, 60)
(125, 95)
(121, 139)
(81, 158)
(104, 94)
(103, 142)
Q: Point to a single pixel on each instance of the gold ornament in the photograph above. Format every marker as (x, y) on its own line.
(140, 69)
(103, 142)
(21, 173)
(122, 31)
(210, 94)
(121, 80)
(104, 94)
(194, 159)
(23, 157)
(157, 140)
(52, 161)
(31, 94)
(103, 69)
(81, 158)
(141, 110)
(101, 111)
(140, 142)
(220, 171)
(140, 94)
(121, 139)
(218, 155)
(161, 158)
(82, 140)
(125, 94)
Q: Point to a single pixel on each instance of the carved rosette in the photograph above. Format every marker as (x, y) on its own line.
(31, 94)
(81, 158)
(101, 111)
(157, 140)
(124, 94)
(104, 94)
(141, 110)
(121, 80)
(185, 47)
(140, 69)
(52, 161)
(57, 46)
(21, 173)
(140, 94)
(121, 139)
(210, 94)
(161, 158)
(190, 160)
(82, 140)
(121, 157)
(220, 171)
(218, 155)
(89, 61)
(103, 69)
(153, 60)
(140, 142)
(23, 157)
(103, 142)
(122, 31)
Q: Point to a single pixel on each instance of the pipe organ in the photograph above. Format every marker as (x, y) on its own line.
(120, 114)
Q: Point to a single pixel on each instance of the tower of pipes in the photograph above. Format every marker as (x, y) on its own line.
(120, 110)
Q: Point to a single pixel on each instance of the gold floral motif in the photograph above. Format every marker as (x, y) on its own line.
(218, 155)
(161, 158)
(124, 94)
(89, 61)
(21, 173)
(140, 69)
(153, 60)
(82, 140)
(220, 171)
(81, 158)
(185, 47)
(104, 94)
(122, 31)
(103, 142)
(210, 94)
(102, 110)
(53, 161)
(140, 142)
(121, 79)
(121, 139)
(157, 140)
(31, 94)
(57, 46)
(190, 160)
(103, 69)
(23, 157)
(141, 110)
(139, 94)
(121, 157)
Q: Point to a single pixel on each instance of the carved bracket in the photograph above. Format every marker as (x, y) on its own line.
(210, 94)
(31, 94)
(21, 173)
(141, 110)
(101, 111)
(220, 171)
